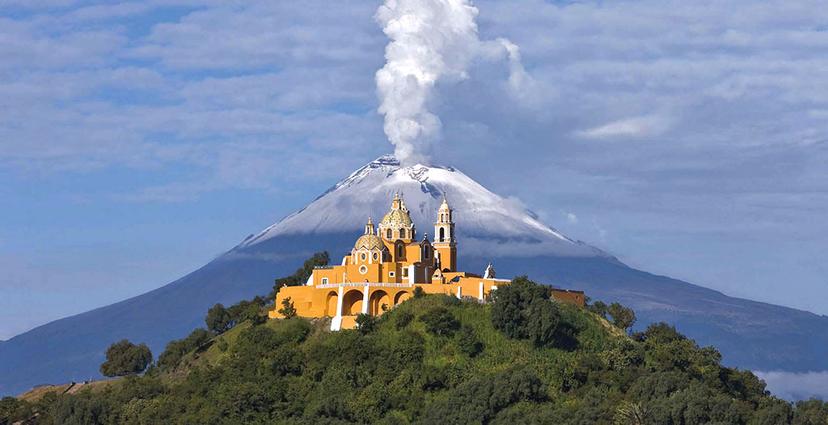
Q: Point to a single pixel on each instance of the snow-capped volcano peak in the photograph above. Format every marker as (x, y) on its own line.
(486, 222)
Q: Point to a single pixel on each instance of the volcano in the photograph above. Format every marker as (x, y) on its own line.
(490, 228)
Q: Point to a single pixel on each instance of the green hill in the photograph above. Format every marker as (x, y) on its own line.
(521, 359)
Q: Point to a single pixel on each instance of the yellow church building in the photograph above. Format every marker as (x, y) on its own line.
(384, 267)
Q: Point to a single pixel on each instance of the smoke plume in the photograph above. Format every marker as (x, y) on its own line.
(431, 41)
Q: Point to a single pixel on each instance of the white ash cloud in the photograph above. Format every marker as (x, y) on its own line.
(432, 41)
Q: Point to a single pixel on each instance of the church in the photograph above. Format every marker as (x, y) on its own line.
(385, 266)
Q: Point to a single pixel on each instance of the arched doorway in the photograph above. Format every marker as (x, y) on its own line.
(379, 299)
(402, 296)
(330, 304)
(352, 303)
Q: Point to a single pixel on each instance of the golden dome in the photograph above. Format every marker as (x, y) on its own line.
(398, 216)
(369, 242)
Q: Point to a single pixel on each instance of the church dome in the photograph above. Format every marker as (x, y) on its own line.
(369, 242)
(396, 218)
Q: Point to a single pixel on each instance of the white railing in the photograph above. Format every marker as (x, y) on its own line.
(370, 284)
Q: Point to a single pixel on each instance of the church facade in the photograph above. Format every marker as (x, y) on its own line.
(385, 266)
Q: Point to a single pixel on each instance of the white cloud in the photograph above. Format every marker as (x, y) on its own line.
(571, 218)
(636, 127)
(796, 386)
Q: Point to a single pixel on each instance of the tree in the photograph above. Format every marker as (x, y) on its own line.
(403, 318)
(365, 323)
(629, 413)
(811, 412)
(301, 275)
(13, 410)
(125, 358)
(523, 310)
(418, 292)
(541, 322)
(248, 311)
(218, 319)
(622, 317)
(287, 310)
(440, 321)
(599, 308)
(176, 349)
(468, 342)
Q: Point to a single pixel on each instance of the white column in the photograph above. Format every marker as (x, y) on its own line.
(480, 296)
(365, 300)
(339, 300)
(411, 272)
(459, 292)
(336, 322)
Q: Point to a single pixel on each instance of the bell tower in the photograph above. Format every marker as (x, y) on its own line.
(444, 241)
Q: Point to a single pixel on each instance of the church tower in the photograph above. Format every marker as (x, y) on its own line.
(444, 241)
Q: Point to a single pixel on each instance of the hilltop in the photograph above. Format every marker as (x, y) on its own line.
(491, 228)
(436, 359)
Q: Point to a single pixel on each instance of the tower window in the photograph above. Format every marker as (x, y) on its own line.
(442, 234)
(389, 234)
(376, 256)
(402, 233)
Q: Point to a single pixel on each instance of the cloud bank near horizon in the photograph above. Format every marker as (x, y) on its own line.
(796, 386)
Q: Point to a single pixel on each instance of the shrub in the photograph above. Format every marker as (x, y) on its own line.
(418, 292)
(440, 321)
(301, 275)
(365, 323)
(523, 310)
(468, 342)
(479, 399)
(402, 319)
(599, 308)
(287, 310)
(218, 319)
(125, 358)
(176, 349)
(622, 317)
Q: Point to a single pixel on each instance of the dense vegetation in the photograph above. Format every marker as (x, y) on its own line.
(521, 359)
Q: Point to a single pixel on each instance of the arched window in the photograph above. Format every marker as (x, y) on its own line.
(389, 234)
(442, 234)
(402, 233)
(399, 251)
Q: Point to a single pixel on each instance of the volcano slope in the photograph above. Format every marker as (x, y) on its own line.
(749, 334)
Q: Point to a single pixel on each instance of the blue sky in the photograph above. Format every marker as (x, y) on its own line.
(138, 140)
